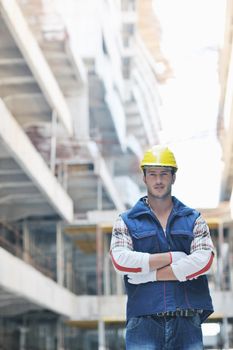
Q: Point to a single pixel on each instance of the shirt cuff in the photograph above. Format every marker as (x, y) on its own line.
(145, 263)
(126, 261)
(194, 265)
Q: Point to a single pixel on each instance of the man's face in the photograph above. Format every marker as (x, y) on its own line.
(159, 181)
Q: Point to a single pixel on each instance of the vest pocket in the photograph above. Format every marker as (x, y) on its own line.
(146, 241)
(181, 240)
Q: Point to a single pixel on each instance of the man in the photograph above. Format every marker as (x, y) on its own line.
(164, 250)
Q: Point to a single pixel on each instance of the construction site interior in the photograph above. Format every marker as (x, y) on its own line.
(79, 103)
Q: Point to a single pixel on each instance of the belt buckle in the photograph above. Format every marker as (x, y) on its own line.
(167, 313)
(185, 313)
(160, 314)
(180, 313)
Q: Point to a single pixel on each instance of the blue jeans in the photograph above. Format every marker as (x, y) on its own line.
(164, 333)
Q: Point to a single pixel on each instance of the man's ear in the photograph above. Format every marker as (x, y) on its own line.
(173, 178)
(144, 179)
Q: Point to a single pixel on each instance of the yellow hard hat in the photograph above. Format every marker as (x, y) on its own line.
(159, 156)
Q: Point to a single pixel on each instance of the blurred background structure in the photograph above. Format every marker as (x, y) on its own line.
(80, 103)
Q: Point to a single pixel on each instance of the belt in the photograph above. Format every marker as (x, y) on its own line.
(181, 313)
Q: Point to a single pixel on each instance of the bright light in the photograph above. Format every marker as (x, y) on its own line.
(210, 329)
(192, 34)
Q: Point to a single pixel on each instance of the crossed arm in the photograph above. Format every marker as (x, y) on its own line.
(145, 267)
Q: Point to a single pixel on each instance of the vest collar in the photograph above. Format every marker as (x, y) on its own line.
(141, 208)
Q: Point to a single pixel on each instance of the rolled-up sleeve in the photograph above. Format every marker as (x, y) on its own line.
(201, 254)
(124, 259)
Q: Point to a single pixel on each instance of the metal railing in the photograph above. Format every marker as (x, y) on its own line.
(11, 239)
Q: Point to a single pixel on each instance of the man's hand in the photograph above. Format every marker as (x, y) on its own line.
(135, 278)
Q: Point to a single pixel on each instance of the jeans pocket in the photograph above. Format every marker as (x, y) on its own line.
(133, 323)
(195, 320)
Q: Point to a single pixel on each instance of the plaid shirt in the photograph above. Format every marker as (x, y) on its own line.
(125, 259)
(201, 241)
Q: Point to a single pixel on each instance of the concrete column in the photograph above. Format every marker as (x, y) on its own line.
(99, 259)
(79, 110)
(99, 274)
(225, 333)
(60, 255)
(230, 240)
(53, 142)
(26, 242)
(99, 194)
(106, 267)
(101, 335)
(86, 342)
(69, 270)
(60, 335)
(22, 338)
(62, 175)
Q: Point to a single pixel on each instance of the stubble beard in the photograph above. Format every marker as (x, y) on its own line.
(164, 195)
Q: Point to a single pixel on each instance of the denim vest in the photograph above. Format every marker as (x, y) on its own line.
(148, 236)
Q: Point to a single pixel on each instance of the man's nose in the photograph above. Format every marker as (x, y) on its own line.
(158, 178)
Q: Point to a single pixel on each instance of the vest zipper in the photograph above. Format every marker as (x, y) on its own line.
(169, 221)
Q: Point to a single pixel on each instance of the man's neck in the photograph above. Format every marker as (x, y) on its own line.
(160, 206)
